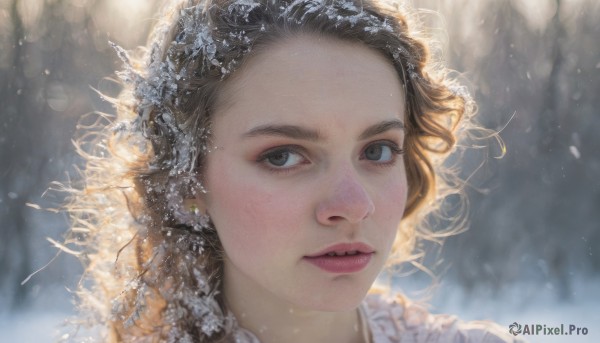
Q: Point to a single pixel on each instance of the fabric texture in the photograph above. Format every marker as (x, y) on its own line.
(399, 320)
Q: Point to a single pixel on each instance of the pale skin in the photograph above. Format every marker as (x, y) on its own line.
(307, 154)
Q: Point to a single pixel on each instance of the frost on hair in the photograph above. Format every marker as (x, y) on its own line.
(154, 263)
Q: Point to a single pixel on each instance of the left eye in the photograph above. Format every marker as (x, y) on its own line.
(381, 152)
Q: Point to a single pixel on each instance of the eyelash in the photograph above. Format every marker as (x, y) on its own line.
(395, 150)
(294, 149)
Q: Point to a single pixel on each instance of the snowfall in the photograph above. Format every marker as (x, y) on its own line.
(525, 304)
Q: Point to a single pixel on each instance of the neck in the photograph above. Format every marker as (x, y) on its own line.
(272, 319)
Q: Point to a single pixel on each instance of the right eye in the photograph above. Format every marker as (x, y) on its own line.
(281, 158)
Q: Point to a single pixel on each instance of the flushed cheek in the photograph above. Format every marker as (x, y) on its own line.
(250, 218)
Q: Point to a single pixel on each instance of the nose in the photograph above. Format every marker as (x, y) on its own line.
(347, 200)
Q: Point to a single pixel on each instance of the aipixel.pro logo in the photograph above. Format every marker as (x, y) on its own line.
(543, 329)
(514, 328)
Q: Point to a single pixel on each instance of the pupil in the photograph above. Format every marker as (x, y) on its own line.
(373, 152)
(278, 159)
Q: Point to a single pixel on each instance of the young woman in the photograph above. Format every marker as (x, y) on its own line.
(269, 158)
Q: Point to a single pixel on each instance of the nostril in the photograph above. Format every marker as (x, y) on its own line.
(335, 218)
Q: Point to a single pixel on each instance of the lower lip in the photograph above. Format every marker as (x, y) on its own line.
(341, 264)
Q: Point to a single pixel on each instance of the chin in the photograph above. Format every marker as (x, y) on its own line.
(344, 294)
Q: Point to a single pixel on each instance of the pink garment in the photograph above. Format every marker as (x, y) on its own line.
(400, 321)
(395, 321)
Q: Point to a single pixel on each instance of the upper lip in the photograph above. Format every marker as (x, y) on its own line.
(345, 247)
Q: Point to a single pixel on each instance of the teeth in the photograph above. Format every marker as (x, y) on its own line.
(342, 253)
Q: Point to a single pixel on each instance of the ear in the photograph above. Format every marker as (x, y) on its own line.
(197, 203)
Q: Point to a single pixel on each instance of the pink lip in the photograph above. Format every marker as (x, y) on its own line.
(342, 264)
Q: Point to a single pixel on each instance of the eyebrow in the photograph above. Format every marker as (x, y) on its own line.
(374, 130)
(291, 131)
(302, 133)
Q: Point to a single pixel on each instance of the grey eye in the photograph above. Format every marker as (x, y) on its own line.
(279, 158)
(283, 158)
(379, 152)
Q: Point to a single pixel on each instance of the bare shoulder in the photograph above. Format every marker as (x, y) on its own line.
(394, 320)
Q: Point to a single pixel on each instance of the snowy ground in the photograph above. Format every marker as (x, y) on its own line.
(31, 327)
(526, 304)
(532, 304)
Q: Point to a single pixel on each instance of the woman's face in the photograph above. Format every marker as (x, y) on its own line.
(307, 162)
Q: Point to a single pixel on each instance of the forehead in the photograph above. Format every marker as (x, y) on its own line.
(310, 79)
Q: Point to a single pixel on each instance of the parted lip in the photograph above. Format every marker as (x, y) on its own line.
(340, 248)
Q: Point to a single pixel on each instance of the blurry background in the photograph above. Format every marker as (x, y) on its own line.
(532, 254)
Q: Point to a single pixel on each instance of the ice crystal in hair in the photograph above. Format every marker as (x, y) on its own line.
(159, 84)
(205, 45)
(463, 92)
(140, 304)
(385, 26)
(460, 90)
(129, 75)
(195, 37)
(196, 305)
(242, 8)
(340, 11)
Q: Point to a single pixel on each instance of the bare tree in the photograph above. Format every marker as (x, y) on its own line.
(49, 63)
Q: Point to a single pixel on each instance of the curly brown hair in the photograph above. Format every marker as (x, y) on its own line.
(152, 271)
